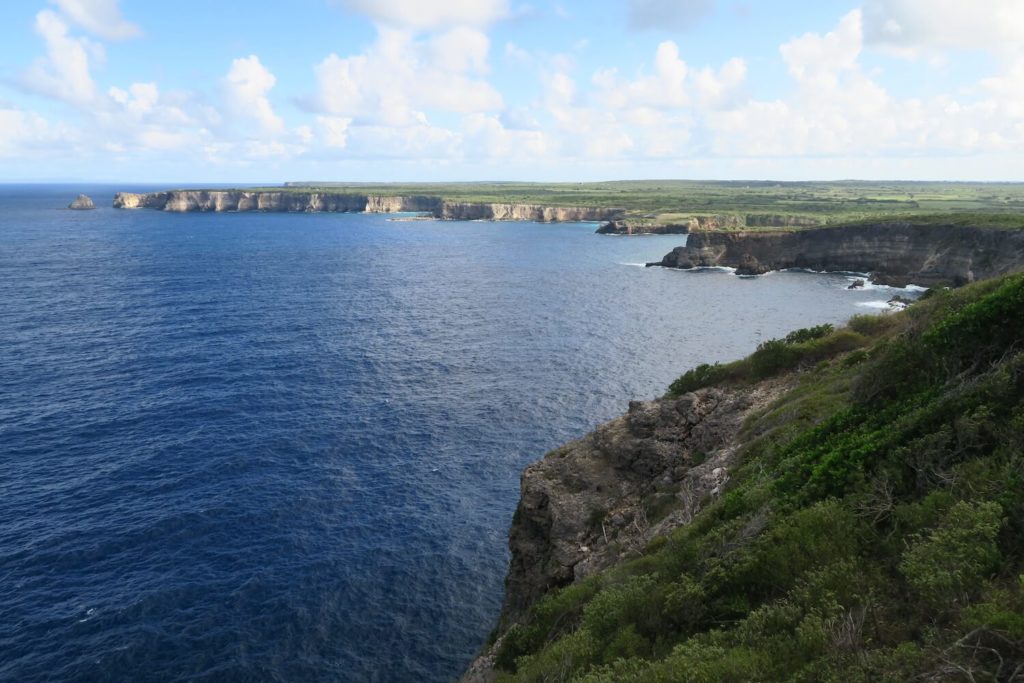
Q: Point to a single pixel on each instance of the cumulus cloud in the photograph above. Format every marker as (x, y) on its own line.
(668, 14)
(99, 17)
(672, 84)
(399, 77)
(245, 92)
(64, 72)
(420, 15)
(839, 110)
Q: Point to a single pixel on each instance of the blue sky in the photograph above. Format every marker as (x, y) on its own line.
(369, 90)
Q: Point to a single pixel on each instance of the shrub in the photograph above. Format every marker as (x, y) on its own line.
(807, 334)
(703, 375)
(951, 563)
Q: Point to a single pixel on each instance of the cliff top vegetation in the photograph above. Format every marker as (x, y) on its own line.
(872, 531)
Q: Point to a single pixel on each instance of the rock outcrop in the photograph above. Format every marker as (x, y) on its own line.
(894, 253)
(82, 203)
(291, 201)
(602, 498)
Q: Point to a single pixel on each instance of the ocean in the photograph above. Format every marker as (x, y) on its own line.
(281, 447)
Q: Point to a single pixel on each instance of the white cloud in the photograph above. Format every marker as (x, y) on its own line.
(245, 92)
(64, 72)
(487, 137)
(820, 60)
(334, 130)
(840, 111)
(668, 14)
(672, 85)
(25, 134)
(916, 27)
(399, 77)
(99, 17)
(421, 15)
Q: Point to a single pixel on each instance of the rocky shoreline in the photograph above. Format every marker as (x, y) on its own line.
(894, 253)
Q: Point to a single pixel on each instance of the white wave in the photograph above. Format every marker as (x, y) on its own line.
(630, 263)
(880, 304)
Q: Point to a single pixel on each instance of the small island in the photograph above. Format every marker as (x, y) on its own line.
(82, 203)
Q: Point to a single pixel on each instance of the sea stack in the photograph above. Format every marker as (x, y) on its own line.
(82, 202)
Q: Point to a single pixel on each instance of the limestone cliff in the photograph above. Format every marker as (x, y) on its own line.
(462, 211)
(288, 201)
(595, 501)
(894, 253)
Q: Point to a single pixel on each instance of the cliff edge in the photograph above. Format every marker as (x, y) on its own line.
(601, 499)
(842, 505)
(894, 253)
(292, 201)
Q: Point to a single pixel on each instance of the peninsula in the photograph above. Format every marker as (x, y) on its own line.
(940, 252)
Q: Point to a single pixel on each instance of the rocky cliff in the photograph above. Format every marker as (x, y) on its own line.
(633, 226)
(263, 200)
(598, 500)
(82, 203)
(894, 253)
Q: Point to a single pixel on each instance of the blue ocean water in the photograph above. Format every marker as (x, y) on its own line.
(287, 447)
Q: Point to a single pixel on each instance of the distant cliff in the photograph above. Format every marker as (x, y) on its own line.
(895, 253)
(289, 201)
(700, 223)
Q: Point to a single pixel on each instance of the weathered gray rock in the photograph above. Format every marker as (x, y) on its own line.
(82, 203)
(894, 253)
(584, 506)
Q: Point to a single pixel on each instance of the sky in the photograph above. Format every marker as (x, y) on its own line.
(573, 90)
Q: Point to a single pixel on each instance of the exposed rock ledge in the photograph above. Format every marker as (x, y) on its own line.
(894, 253)
(288, 201)
(586, 505)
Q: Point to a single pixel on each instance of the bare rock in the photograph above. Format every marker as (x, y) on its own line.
(82, 203)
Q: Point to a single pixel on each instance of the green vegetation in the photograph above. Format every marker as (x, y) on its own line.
(871, 532)
(670, 201)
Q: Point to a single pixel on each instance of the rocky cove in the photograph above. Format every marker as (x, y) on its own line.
(894, 253)
(291, 201)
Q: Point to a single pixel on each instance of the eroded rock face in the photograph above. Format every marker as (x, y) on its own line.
(269, 200)
(585, 506)
(894, 253)
(463, 211)
(82, 203)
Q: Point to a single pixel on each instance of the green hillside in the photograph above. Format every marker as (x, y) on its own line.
(873, 532)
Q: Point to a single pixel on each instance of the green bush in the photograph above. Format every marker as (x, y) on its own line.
(950, 564)
(703, 375)
(807, 334)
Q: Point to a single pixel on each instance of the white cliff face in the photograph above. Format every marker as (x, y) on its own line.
(243, 200)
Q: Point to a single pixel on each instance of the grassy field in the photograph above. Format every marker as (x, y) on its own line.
(1002, 204)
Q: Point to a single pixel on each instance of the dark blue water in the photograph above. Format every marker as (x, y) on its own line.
(287, 447)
